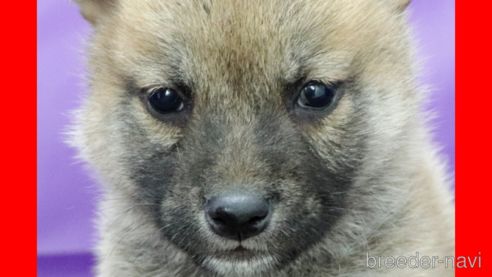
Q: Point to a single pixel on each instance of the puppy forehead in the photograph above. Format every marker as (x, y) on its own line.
(224, 33)
(241, 44)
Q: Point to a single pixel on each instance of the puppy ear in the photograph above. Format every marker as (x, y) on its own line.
(94, 10)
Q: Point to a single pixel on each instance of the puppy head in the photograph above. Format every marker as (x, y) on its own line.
(260, 130)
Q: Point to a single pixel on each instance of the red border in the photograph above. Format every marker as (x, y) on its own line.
(18, 138)
(473, 190)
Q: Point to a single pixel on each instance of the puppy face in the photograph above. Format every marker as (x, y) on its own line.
(256, 131)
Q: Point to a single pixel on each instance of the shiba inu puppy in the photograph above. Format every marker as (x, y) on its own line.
(260, 138)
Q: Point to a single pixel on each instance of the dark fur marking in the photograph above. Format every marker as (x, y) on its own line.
(152, 165)
(287, 153)
(206, 8)
(198, 151)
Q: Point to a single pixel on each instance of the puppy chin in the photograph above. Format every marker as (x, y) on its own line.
(240, 267)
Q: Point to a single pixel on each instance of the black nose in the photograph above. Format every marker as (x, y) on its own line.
(238, 215)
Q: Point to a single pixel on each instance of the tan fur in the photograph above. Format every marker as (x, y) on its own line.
(235, 52)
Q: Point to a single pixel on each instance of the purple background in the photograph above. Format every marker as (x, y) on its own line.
(66, 194)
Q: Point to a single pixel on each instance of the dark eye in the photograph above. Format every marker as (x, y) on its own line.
(166, 100)
(316, 95)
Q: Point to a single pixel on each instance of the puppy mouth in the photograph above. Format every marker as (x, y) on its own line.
(239, 253)
(239, 261)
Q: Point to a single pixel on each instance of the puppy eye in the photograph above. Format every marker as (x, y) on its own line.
(316, 95)
(166, 100)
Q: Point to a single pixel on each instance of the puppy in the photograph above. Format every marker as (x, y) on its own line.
(260, 138)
